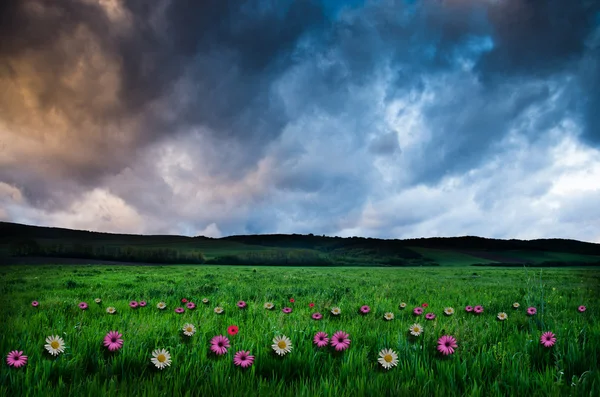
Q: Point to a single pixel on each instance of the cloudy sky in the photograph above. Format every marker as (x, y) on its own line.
(387, 118)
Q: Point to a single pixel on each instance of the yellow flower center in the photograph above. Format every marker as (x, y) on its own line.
(189, 329)
(416, 329)
(161, 358)
(388, 358)
(55, 344)
(281, 344)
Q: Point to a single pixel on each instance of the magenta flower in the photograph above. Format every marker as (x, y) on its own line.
(287, 310)
(548, 339)
(16, 359)
(468, 309)
(446, 345)
(179, 310)
(241, 304)
(531, 311)
(581, 309)
(142, 303)
(321, 339)
(83, 305)
(365, 309)
(478, 309)
(430, 316)
(113, 340)
(417, 311)
(133, 304)
(340, 341)
(191, 305)
(219, 345)
(36, 304)
(243, 359)
(317, 316)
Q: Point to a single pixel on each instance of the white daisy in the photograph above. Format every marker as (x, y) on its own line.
(269, 305)
(388, 316)
(449, 311)
(97, 300)
(161, 305)
(111, 310)
(502, 316)
(218, 310)
(388, 358)
(282, 345)
(161, 358)
(402, 305)
(205, 300)
(55, 345)
(189, 329)
(416, 329)
(335, 311)
(516, 305)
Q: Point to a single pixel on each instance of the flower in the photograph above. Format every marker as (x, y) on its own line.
(142, 303)
(317, 316)
(429, 316)
(113, 340)
(219, 345)
(478, 309)
(424, 305)
(55, 345)
(189, 329)
(184, 300)
(241, 304)
(282, 345)
(449, 311)
(388, 316)
(531, 311)
(243, 359)
(311, 305)
(581, 309)
(287, 310)
(83, 305)
(161, 358)
(417, 311)
(191, 305)
(446, 345)
(292, 300)
(548, 339)
(365, 309)
(218, 310)
(340, 341)
(468, 309)
(416, 329)
(179, 310)
(161, 305)
(205, 301)
(16, 359)
(133, 304)
(502, 316)
(98, 300)
(35, 303)
(269, 305)
(402, 306)
(335, 311)
(233, 330)
(388, 358)
(516, 305)
(321, 339)
(111, 310)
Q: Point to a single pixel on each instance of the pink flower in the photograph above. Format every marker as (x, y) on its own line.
(581, 309)
(424, 305)
(430, 316)
(446, 345)
(531, 311)
(317, 316)
(83, 305)
(243, 359)
(321, 339)
(340, 341)
(133, 304)
(365, 309)
(548, 339)
(219, 345)
(36, 304)
(417, 311)
(113, 340)
(191, 305)
(469, 309)
(287, 310)
(143, 303)
(179, 310)
(478, 309)
(311, 305)
(292, 300)
(16, 359)
(241, 304)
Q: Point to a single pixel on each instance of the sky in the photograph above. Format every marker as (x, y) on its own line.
(386, 119)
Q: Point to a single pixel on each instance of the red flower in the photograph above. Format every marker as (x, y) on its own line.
(232, 330)
(184, 300)
(311, 304)
(424, 305)
(292, 300)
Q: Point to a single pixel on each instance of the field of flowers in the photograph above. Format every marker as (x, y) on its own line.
(220, 331)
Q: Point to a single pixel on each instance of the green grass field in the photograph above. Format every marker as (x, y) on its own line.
(492, 358)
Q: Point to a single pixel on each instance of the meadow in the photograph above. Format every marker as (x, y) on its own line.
(493, 357)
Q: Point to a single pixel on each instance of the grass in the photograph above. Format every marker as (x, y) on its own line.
(450, 258)
(492, 358)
